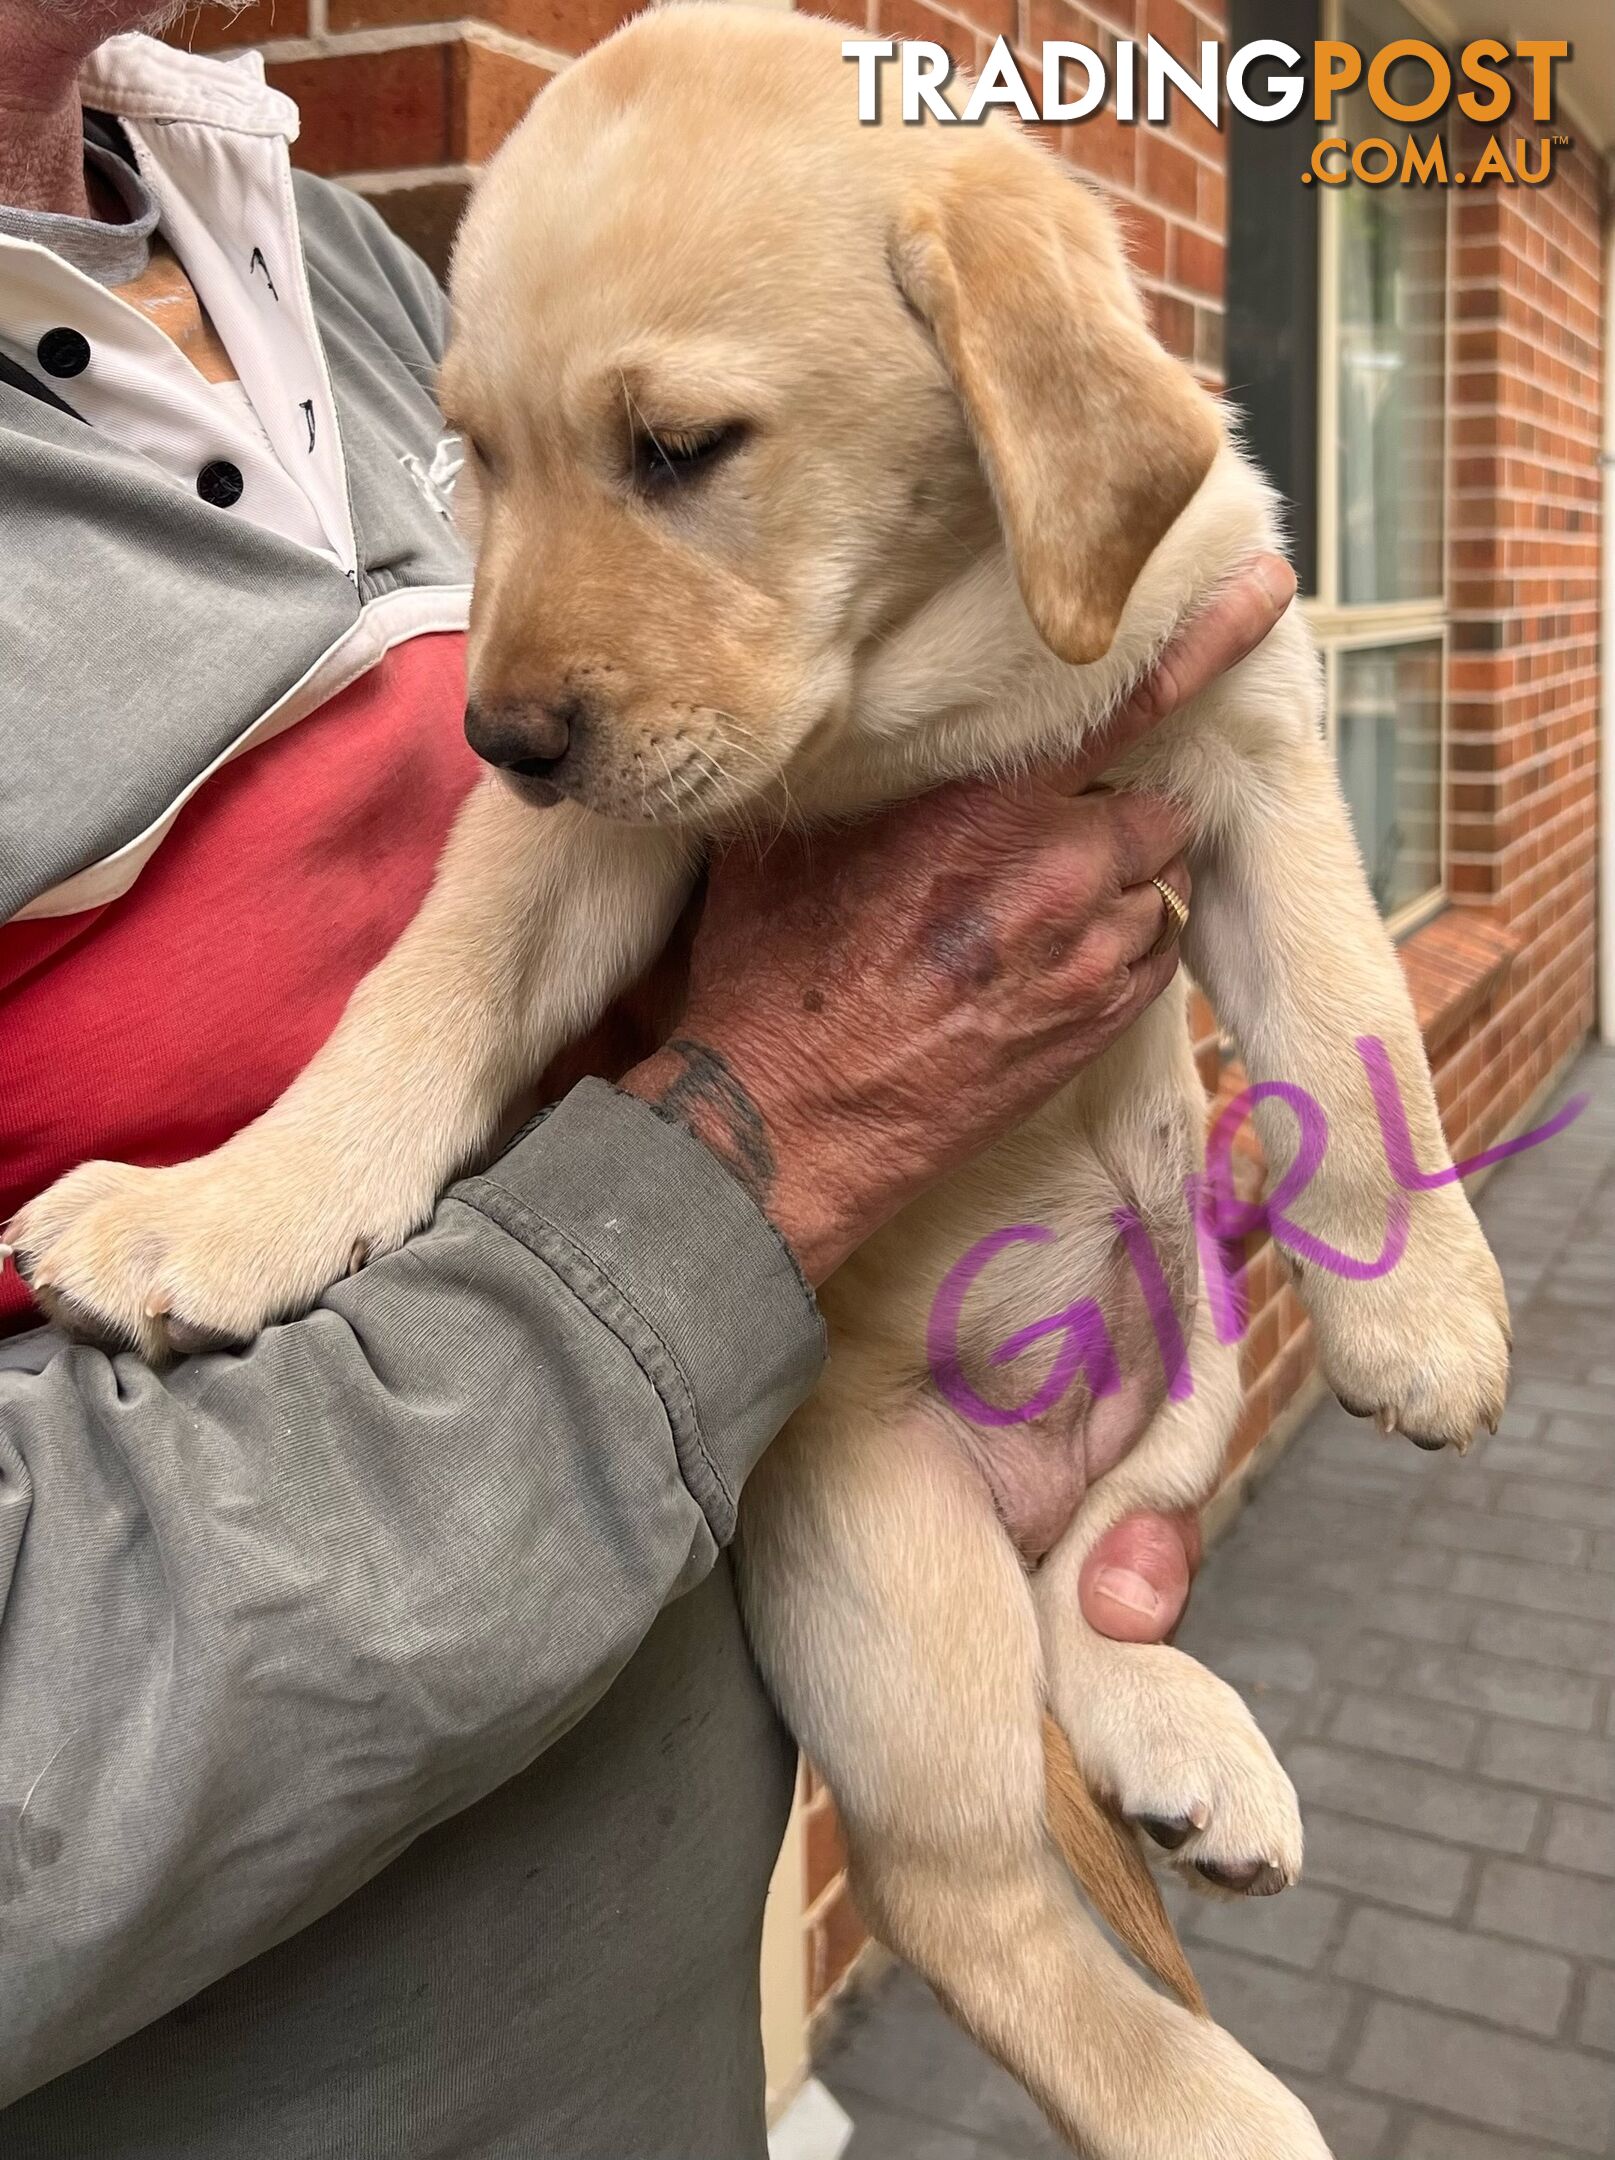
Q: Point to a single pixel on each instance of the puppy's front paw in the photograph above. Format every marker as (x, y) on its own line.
(1423, 1349)
(191, 1257)
(1176, 1752)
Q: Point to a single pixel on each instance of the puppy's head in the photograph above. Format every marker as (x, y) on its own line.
(744, 384)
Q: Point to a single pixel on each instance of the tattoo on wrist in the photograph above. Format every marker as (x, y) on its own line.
(712, 1100)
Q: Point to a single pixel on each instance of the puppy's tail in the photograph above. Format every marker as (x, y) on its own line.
(1105, 1859)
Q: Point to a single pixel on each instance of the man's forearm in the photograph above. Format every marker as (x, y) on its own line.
(268, 1616)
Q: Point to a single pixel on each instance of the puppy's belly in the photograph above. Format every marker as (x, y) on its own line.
(1040, 1457)
(1039, 1473)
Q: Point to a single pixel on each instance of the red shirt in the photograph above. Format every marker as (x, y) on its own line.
(150, 1029)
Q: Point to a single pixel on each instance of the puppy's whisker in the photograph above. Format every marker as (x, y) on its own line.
(773, 778)
(728, 798)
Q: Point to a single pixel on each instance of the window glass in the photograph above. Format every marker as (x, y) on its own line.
(1389, 361)
(1388, 742)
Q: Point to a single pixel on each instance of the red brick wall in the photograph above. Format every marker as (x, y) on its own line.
(405, 98)
(1523, 677)
(408, 95)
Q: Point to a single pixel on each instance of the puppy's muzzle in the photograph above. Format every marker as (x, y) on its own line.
(529, 739)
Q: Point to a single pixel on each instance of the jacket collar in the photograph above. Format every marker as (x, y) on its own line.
(141, 78)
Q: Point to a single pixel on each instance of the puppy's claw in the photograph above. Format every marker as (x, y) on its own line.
(1385, 1418)
(359, 1254)
(1250, 1878)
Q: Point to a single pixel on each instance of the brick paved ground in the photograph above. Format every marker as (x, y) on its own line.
(1431, 1644)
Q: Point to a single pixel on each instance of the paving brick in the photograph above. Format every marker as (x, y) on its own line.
(1292, 1561)
(1431, 2140)
(1596, 2026)
(1324, 1524)
(1495, 2079)
(1574, 1764)
(1468, 1530)
(1541, 1905)
(1574, 1398)
(1555, 1639)
(1536, 1694)
(1539, 1589)
(1582, 1838)
(1282, 2017)
(1291, 1929)
(1393, 1727)
(1558, 1503)
(1502, 1983)
(1357, 1474)
(1419, 1570)
(1410, 1796)
(1387, 1865)
(1584, 1435)
(1542, 1459)
(1419, 1615)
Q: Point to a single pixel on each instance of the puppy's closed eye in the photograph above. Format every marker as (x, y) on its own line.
(667, 459)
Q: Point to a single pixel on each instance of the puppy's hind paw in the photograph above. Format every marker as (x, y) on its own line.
(1175, 1751)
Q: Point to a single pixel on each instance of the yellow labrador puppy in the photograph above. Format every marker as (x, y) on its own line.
(816, 462)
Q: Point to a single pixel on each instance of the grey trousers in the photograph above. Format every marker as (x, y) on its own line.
(567, 1971)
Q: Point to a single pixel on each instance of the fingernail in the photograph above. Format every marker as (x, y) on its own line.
(1276, 576)
(1132, 1591)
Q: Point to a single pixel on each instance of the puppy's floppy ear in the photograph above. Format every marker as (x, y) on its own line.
(1092, 438)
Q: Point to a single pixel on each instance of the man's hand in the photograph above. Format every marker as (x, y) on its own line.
(871, 1006)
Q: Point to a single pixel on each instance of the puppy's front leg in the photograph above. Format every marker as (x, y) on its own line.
(1406, 1298)
(533, 923)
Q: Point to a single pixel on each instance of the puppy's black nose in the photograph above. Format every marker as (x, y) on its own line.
(527, 739)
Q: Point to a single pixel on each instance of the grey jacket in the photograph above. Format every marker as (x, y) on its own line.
(296, 1626)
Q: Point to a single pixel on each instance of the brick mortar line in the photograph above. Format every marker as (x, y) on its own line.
(1396, 1694)
(1169, 291)
(1535, 500)
(1558, 410)
(401, 37)
(1553, 424)
(1571, 641)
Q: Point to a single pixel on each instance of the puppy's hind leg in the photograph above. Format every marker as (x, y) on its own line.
(1170, 1745)
(895, 1625)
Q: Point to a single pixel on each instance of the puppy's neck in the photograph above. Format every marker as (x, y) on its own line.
(967, 685)
(962, 682)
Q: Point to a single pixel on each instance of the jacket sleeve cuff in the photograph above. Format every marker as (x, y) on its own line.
(666, 1248)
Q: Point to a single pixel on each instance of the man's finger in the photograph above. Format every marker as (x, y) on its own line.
(1139, 834)
(1142, 913)
(1135, 1582)
(1227, 628)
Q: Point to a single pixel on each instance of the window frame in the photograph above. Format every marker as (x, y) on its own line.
(1341, 626)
